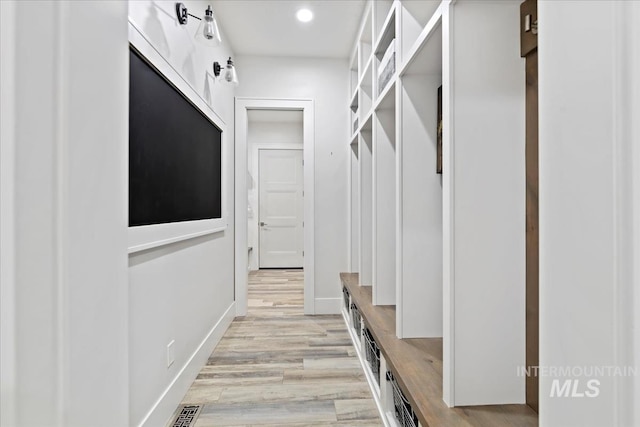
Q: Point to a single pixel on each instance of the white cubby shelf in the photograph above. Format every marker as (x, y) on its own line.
(429, 247)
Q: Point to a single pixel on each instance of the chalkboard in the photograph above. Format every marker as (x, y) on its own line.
(175, 162)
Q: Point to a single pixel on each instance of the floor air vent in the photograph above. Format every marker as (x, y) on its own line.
(187, 416)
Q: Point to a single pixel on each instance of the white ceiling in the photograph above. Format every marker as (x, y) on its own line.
(270, 27)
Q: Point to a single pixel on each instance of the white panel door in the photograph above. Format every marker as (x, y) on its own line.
(281, 208)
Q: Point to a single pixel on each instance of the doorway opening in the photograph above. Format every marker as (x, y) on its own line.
(273, 192)
(275, 189)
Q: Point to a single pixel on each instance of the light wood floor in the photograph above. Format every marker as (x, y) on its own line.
(278, 367)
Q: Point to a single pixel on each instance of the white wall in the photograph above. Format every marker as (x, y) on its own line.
(633, 54)
(419, 257)
(354, 256)
(80, 337)
(629, 230)
(179, 291)
(8, 330)
(325, 81)
(365, 207)
(260, 135)
(588, 158)
(64, 128)
(384, 206)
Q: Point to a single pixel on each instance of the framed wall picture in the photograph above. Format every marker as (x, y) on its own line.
(439, 133)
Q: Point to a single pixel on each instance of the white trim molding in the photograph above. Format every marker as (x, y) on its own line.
(328, 305)
(448, 213)
(8, 329)
(626, 167)
(633, 19)
(242, 105)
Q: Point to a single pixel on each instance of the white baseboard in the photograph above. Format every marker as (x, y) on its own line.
(328, 305)
(166, 405)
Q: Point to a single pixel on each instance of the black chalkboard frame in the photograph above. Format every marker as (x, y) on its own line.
(150, 236)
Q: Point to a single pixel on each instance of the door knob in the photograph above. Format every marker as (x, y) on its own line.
(262, 224)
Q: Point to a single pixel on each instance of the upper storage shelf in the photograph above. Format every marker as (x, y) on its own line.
(390, 36)
(387, 99)
(381, 12)
(365, 41)
(366, 92)
(387, 32)
(385, 53)
(353, 74)
(354, 102)
(414, 17)
(425, 55)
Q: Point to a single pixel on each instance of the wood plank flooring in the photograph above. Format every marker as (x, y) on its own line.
(277, 367)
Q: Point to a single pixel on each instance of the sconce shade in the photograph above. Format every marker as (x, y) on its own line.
(230, 74)
(208, 33)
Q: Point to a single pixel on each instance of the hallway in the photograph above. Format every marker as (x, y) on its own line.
(278, 367)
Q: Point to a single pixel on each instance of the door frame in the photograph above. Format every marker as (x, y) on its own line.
(256, 158)
(242, 105)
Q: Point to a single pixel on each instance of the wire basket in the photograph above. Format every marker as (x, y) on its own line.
(356, 318)
(372, 354)
(345, 294)
(404, 413)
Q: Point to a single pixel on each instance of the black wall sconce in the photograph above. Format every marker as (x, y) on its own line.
(230, 74)
(208, 32)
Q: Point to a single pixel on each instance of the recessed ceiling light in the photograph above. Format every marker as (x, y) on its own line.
(304, 15)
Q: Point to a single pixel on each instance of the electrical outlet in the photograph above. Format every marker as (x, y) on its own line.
(171, 357)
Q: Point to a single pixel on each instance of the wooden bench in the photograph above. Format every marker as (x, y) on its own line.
(416, 364)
